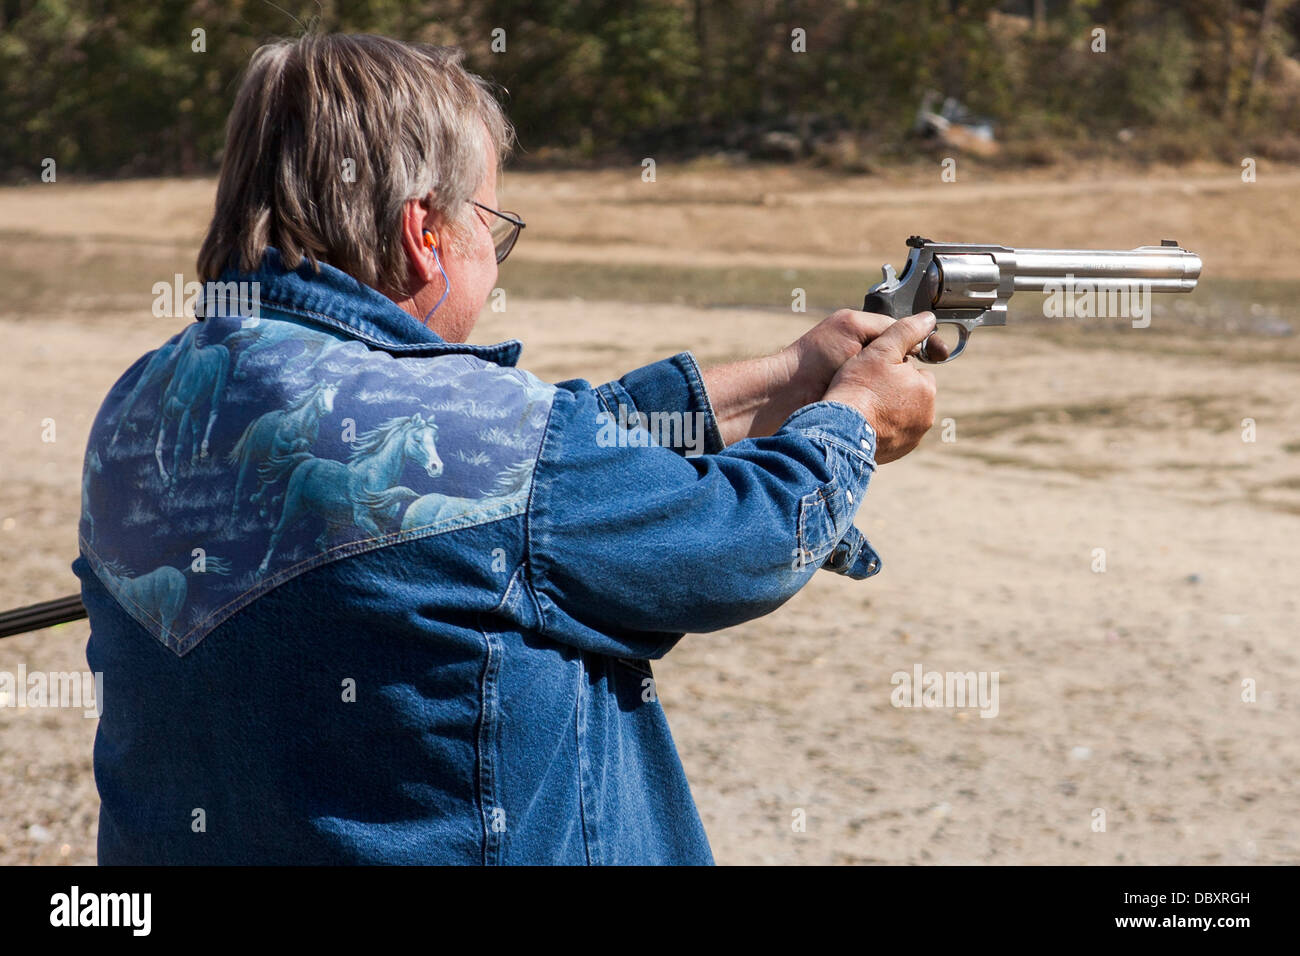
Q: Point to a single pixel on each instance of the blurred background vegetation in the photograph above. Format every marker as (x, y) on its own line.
(116, 88)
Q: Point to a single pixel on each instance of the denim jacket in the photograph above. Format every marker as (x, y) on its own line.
(362, 595)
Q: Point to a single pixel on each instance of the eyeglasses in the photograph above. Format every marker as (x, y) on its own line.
(504, 229)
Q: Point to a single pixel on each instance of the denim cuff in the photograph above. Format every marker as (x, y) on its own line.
(851, 449)
(840, 424)
(854, 557)
(672, 386)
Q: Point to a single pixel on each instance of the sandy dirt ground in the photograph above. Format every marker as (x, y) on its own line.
(1119, 690)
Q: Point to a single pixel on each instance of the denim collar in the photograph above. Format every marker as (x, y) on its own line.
(334, 300)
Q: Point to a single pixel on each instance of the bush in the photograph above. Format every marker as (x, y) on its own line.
(123, 92)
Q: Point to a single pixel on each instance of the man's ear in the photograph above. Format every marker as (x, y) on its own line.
(419, 257)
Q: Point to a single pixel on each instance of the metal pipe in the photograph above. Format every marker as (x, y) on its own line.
(35, 617)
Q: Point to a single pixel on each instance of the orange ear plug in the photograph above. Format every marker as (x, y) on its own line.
(429, 241)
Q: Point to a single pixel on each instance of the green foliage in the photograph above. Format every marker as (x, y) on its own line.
(111, 87)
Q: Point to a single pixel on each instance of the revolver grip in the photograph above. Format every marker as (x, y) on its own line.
(880, 303)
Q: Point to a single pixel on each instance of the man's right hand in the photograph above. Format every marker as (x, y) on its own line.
(896, 397)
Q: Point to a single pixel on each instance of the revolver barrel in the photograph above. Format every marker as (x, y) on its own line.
(1161, 268)
(968, 285)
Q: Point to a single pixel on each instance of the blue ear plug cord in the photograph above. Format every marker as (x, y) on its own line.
(446, 285)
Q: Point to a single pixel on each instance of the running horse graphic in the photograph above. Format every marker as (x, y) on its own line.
(200, 378)
(156, 372)
(278, 435)
(158, 594)
(427, 511)
(256, 336)
(341, 493)
(94, 466)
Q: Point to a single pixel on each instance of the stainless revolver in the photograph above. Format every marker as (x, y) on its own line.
(968, 285)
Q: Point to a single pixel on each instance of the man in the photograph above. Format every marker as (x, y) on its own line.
(363, 593)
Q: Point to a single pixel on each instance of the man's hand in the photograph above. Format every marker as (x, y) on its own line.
(818, 354)
(754, 398)
(896, 397)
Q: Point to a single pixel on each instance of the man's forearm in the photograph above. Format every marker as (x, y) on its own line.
(755, 396)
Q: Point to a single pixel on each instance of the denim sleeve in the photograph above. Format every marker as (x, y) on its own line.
(676, 385)
(631, 544)
(671, 387)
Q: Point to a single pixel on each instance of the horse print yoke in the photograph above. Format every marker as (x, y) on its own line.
(246, 451)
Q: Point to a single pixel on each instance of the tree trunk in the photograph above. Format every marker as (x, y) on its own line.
(1261, 53)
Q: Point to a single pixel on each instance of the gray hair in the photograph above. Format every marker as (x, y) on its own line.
(330, 135)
